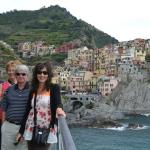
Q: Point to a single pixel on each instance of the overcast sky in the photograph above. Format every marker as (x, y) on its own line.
(123, 19)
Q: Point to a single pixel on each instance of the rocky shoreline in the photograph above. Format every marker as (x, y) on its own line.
(105, 123)
(131, 99)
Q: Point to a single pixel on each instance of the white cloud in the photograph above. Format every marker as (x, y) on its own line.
(122, 19)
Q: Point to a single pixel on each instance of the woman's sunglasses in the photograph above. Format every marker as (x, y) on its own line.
(42, 72)
(18, 74)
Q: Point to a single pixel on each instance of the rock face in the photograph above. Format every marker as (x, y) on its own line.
(100, 116)
(134, 98)
(131, 98)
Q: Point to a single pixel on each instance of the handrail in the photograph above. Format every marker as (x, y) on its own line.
(65, 135)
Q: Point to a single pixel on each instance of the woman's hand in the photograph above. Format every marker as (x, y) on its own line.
(53, 130)
(60, 112)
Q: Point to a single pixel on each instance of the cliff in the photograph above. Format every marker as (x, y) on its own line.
(130, 97)
(135, 98)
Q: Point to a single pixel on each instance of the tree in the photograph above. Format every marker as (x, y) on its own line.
(147, 58)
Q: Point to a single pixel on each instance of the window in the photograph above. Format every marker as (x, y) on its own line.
(106, 84)
(74, 98)
(106, 89)
(111, 85)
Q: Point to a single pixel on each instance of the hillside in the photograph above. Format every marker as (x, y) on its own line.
(54, 24)
(6, 54)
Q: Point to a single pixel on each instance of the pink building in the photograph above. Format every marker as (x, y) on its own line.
(80, 81)
(107, 84)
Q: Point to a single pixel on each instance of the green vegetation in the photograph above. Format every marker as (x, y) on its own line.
(147, 57)
(54, 25)
(90, 105)
(6, 54)
(58, 57)
(55, 58)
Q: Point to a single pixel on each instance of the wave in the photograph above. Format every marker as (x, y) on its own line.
(139, 128)
(126, 127)
(122, 128)
(147, 115)
(116, 128)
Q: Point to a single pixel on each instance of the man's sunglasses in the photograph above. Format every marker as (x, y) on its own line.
(18, 74)
(42, 72)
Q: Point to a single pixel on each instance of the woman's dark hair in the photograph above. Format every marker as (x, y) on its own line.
(38, 68)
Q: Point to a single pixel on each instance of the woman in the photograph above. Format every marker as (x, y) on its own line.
(10, 70)
(48, 105)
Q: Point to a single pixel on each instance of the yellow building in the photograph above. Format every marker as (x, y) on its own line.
(140, 55)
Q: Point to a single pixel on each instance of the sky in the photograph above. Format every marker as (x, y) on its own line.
(123, 19)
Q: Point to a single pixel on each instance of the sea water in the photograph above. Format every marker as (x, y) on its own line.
(115, 138)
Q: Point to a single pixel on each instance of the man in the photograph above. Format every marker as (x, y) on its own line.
(14, 104)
